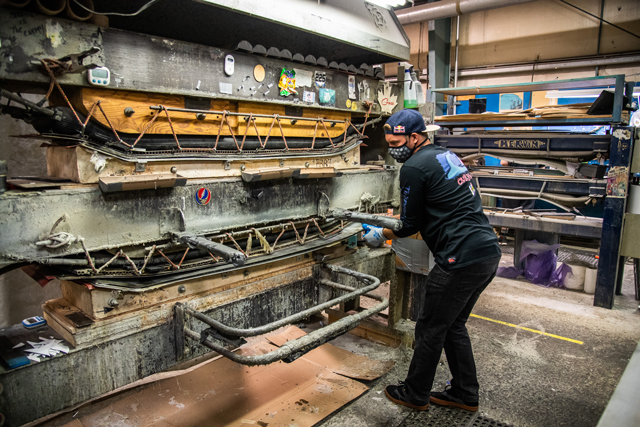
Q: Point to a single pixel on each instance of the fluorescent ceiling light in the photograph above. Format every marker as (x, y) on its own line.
(581, 93)
(388, 3)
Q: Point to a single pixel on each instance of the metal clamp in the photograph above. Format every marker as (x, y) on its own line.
(294, 349)
(76, 60)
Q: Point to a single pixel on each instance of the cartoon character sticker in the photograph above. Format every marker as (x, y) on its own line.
(203, 196)
(287, 83)
(451, 165)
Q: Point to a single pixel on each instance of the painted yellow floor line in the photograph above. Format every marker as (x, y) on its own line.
(527, 329)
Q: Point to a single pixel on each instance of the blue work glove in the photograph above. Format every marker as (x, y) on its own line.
(373, 235)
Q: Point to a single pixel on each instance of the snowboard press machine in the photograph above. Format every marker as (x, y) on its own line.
(202, 187)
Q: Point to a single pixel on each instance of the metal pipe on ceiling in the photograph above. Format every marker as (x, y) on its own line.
(449, 8)
(548, 66)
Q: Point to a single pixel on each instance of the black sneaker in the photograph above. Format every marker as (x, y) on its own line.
(397, 394)
(446, 398)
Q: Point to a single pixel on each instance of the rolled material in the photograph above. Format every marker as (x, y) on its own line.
(590, 280)
(575, 279)
(74, 11)
(51, 7)
(19, 4)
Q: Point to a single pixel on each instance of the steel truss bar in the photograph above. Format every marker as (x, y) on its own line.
(361, 217)
(233, 256)
(246, 115)
(294, 349)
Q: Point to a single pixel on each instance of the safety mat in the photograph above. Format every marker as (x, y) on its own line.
(442, 416)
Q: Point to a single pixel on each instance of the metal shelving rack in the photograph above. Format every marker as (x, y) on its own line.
(616, 81)
(620, 149)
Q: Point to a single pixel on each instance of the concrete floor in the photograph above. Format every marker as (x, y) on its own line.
(526, 379)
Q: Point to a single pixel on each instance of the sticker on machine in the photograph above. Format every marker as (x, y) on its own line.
(327, 97)
(617, 181)
(203, 196)
(320, 78)
(309, 96)
(352, 87)
(386, 99)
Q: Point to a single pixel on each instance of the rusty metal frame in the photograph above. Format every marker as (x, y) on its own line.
(293, 349)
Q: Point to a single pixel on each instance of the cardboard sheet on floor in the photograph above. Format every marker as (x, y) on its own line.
(335, 359)
(224, 393)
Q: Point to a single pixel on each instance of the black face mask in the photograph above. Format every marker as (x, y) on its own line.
(401, 154)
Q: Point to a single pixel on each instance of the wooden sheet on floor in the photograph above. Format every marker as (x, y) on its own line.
(224, 393)
(335, 359)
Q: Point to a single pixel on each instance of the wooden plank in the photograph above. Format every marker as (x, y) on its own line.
(95, 302)
(55, 313)
(110, 184)
(116, 327)
(308, 173)
(84, 168)
(62, 162)
(267, 174)
(114, 103)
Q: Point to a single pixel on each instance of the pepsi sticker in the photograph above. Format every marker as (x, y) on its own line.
(203, 196)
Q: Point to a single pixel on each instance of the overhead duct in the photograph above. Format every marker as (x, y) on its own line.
(448, 8)
(549, 66)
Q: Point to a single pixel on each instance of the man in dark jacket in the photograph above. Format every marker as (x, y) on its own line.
(440, 201)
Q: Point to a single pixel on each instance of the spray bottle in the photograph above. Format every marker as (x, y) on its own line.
(410, 100)
(419, 94)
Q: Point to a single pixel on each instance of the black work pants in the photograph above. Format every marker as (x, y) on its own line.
(449, 298)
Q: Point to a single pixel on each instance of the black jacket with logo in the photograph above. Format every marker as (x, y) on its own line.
(439, 200)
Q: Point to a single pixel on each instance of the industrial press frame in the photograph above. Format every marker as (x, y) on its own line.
(188, 206)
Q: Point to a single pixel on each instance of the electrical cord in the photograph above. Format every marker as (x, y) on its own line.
(143, 8)
(597, 17)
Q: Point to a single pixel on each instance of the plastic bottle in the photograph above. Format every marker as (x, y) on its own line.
(418, 85)
(410, 100)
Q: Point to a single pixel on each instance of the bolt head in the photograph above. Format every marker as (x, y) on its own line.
(306, 164)
(174, 169)
(243, 168)
(182, 289)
